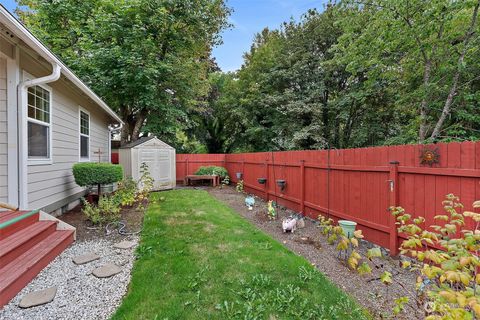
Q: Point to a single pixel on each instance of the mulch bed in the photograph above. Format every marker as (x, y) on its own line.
(311, 244)
(131, 216)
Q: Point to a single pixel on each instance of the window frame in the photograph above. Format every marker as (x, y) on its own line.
(48, 160)
(80, 135)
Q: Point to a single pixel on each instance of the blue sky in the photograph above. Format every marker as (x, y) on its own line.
(248, 18)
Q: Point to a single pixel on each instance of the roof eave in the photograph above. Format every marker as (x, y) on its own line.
(26, 36)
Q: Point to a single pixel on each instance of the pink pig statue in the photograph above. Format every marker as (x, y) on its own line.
(289, 224)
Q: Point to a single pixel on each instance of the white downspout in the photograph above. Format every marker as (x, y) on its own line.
(23, 131)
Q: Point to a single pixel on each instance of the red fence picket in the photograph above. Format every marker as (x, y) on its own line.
(356, 184)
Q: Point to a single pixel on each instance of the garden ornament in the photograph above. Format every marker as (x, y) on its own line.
(271, 210)
(289, 224)
(250, 202)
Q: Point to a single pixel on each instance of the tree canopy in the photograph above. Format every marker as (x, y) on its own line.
(357, 73)
(147, 59)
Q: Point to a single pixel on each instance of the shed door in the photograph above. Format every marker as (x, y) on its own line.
(159, 165)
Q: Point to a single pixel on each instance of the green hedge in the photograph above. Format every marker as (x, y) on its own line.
(90, 174)
(212, 170)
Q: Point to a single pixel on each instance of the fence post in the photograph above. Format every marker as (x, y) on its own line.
(186, 167)
(265, 186)
(393, 202)
(243, 169)
(302, 187)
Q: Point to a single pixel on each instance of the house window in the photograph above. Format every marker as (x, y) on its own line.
(39, 123)
(84, 136)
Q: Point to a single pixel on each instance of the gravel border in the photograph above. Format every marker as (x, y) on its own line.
(80, 295)
(367, 289)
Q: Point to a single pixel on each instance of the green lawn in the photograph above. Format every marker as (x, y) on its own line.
(198, 259)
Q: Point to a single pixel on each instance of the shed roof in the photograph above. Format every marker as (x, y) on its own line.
(144, 140)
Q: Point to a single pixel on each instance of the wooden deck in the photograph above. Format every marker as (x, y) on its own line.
(27, 245)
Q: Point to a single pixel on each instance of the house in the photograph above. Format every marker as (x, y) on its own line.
(49, 120)
(54, 121)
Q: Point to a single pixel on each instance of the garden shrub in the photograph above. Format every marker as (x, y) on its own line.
(448, 279)
(92, 212)
(212, 170)
(92, 173)
(215, 170)
(107, 210)
(126, 193)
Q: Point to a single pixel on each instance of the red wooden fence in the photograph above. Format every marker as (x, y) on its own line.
(356, 184)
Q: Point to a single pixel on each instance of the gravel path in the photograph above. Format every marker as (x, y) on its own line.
(80, 295)
(367, 289)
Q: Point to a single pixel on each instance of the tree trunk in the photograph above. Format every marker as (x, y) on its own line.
(422, 134)
(325, 117)
(125, 134)
(453, 89)
(138, 124)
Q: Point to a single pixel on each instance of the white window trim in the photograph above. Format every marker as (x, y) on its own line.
(40, 161)
(80, 135)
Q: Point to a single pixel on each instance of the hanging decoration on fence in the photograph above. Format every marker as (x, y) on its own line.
(429, 156)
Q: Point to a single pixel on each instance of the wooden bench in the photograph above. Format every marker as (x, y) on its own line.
(215, 179)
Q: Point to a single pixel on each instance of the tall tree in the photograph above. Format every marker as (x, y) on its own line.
(419, 47)
(147, 59)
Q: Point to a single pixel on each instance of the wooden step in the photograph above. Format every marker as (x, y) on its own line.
(7, 215)
(11, 223)
(19, 242)
(19, 272)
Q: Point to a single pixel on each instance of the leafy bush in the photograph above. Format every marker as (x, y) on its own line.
(126, 193)
(239, 186)
(92, 212)
(107, 210)
(447, 279)
(212, 170)
(91, 173)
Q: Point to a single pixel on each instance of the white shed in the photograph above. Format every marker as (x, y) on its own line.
(159, 156)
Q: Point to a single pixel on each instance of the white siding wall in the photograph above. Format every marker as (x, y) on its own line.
(50, 183)
(3, 130)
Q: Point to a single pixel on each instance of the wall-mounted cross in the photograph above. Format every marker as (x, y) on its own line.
(99, 152)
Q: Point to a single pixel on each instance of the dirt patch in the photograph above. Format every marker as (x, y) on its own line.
(308, 242)
(209, 227)
(132, 218)
(173, 221)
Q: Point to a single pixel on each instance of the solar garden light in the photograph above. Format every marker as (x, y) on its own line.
(239, 175)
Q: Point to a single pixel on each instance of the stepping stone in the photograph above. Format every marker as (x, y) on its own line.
(85, 258)
(124, 245)
(38, 298)
(106, 271)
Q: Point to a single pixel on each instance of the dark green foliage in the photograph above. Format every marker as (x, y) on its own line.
(147, 59)
(90, 173)
(212, 170)
(351, 76)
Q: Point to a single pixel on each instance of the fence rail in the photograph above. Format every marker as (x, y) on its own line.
(356, 184)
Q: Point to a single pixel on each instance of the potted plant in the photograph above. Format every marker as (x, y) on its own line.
(262, 180)
(348, 227)
(282, 184)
